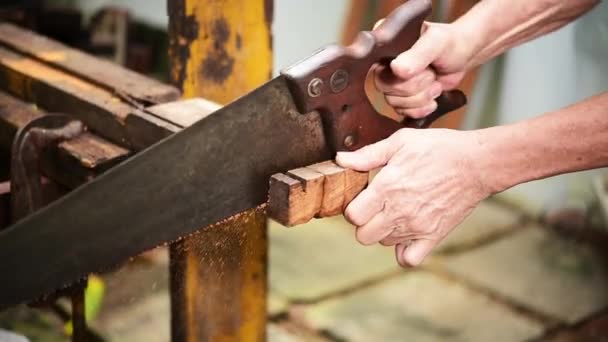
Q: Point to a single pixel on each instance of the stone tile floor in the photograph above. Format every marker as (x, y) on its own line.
(499, 277)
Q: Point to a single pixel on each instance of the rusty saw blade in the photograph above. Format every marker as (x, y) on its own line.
(205, 173)
(214, 169)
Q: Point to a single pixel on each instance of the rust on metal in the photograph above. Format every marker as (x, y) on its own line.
(219, 275)
(73, 162)
(37, 138)
(218, 64)
(208, 305)
(32, 141)
(184, 30)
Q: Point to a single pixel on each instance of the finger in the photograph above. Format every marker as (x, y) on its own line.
(378, 23)
(417, 113)
(425, 51)
(368, 157)
(399, 249)
(421, 99)
(375, 230)
(390, 84)
(415, 253)
(360, 210)
(395, 239)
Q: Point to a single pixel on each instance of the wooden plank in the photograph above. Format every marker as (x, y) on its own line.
(55, 91)
(14, 114)
(325, 191)
(145, 129)
(95, 70)
(185, 112)
(158, 122)
(75, 161)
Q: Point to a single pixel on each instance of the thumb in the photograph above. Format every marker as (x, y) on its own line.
(368, 157)
(423, 53)
(412, 254)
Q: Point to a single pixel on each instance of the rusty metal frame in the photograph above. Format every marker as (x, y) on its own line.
(219, 282)
(30, 191)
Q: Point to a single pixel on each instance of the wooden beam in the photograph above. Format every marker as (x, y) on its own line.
(103, 73)
(75, 161)
(319, 190)
(56, 91)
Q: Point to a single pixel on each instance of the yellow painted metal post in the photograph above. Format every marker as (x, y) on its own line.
(220, 49)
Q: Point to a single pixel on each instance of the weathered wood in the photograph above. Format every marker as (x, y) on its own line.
(325, 189)
(160, 121)
(75, 161)
(14, 114)
(95, 70)
(145, 129)
(56, 91)
(185, 112)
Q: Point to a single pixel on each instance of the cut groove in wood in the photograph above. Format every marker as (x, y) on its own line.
(318, 190)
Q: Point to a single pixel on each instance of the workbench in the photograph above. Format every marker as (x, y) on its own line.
(120, 113)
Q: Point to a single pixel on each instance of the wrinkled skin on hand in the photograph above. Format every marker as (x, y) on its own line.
(427, 186)
(436, 63)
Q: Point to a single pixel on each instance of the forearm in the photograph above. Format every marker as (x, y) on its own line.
(571, 139)
(494, 26)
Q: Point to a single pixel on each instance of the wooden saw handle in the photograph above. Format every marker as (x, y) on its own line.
(318, 190)
(332, 81)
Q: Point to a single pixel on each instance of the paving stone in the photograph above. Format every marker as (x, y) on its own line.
(418, 306)
(146, 320)
(276, 304)
(596, 329)
(540, 270)
(321, 257)
(488, 219)
(33, 324)
(277, 333)
(513, 197)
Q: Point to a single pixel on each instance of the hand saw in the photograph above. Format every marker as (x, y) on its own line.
(214, 169)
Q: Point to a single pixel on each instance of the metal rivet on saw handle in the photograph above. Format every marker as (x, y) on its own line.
(338, 80)
(349, 141)
(315, 87)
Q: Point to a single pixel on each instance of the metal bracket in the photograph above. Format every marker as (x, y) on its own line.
(29, 145)
(30, 192)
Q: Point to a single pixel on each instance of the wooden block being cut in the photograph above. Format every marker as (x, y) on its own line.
(312, 183)
(318, 190)
(333, 188)
(354, 183)
(295, 198)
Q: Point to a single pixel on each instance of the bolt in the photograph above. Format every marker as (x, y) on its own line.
(338, 80)
(349, 141)
(315, 87)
